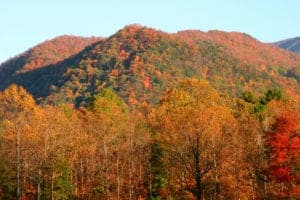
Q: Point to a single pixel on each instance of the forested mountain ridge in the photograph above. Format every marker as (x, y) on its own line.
(139, 62)
(291, 44)
(45, 54)
(157, 116)
(245, 47)
(51, 52)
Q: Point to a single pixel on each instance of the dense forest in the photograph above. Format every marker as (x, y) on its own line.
(194, 144)
(146, 114)
(139, 63)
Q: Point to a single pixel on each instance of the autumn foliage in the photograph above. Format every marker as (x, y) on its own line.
(145, 114)
(284, 149)
(140, 62)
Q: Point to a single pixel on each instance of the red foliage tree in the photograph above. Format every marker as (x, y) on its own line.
(284, 150)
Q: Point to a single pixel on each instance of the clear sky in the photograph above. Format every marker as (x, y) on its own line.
(25, 23)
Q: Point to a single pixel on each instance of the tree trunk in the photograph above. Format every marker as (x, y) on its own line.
(130, 169)
(197, 170)
(118, 177)
(140, 166)
(105, 169)
(46, 188)
(237, 174)
(253, 185)
(150, 180)
(81, 175)
(18, 164)
(76, 180)
(216, 191)
(39, 185)
(52, 185)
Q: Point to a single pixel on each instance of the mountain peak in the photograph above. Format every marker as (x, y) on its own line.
(137, 29)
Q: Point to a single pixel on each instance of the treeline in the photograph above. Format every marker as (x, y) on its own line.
(195, 144)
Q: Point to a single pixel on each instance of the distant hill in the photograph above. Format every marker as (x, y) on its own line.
(48, 53)
(139, 63)
(292, 44)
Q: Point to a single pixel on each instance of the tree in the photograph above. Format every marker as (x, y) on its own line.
(158, 178)
(249, 151)
(274, 93)
(16, 101)
(283, 144)
(249, 97)
(195, 126)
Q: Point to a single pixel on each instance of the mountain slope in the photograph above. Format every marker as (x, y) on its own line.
(292, 44)
(49, 52)
(139, 63)
(245, 48)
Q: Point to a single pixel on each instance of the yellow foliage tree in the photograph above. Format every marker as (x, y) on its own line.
(196, 127)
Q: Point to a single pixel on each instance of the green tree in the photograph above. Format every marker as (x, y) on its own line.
(63, 186)
(158, 173)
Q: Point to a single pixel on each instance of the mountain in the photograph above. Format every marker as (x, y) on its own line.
(139, 63)
(292, 44)
(49, 52)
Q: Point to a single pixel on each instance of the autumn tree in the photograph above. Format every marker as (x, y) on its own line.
(192, 121)
(283, 144)
(121, 146)
(249, 152)
(16, 104)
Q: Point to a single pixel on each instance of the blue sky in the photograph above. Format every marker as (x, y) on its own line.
(25, 23)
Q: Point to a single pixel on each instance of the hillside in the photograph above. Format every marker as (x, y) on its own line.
(292, 44)
(140, 62)
(245, 48)
(47, 53)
